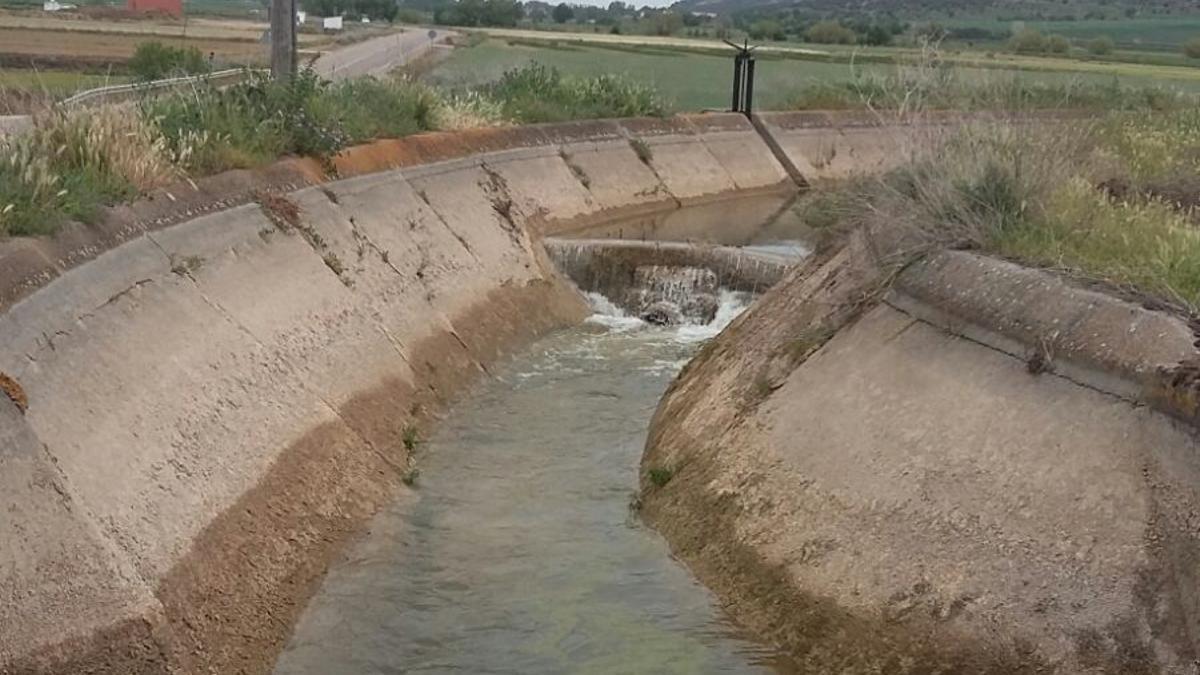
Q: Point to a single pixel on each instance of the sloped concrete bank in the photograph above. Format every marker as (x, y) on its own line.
(201, 410)
(977, 468)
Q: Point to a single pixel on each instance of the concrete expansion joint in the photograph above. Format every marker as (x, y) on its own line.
(421, 194)
(467, 349)
(580, 175)
(295, 371)
(649, 164)
(1035, 365)
(777, 150)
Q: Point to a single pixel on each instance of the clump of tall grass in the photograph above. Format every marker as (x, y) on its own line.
(1040, 192)
(74, 162)
(540, 93)
(469, 110)
(1152, 148)
(1146, 243)
(209, 129)
(71, 162)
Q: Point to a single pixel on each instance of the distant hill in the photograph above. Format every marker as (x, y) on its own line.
(1001, 9)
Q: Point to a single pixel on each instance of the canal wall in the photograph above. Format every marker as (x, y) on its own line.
(961, 466)
(206, 392)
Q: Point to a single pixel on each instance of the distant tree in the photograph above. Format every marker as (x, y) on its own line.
(667, 23)
(155, 61)
(1057, 44)
(1101, 46)
(830, 33)
(479, 13)
(1191, 48)
(931, 32)
(767, 29)
(562, 13)
(500, 13)
(1028, 41)
(876, 35)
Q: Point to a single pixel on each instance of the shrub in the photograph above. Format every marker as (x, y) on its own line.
(660, 476)
(1057, 44)
(829, 33)
(1101, 46)
(767, 29)
(1191, 48)
(155, 61)
(1028, 41)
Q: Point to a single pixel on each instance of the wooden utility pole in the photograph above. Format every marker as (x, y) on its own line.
(283, 39)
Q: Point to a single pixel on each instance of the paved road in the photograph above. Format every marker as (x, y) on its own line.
(378, 55)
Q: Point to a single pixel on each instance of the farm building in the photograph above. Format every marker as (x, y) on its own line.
(171, 7)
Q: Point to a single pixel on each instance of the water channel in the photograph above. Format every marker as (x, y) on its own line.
(518, 552)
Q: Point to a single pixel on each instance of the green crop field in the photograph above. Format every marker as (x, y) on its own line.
(692, 81)
(57, 83)
(1156, 33)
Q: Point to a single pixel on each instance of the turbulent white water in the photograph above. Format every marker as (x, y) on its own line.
(607, 314)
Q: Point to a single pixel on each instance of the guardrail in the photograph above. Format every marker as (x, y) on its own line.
(16, 124)
(121, 92)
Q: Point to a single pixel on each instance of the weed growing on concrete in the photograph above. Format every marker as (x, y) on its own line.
(283, 212)
(579, 173)
(334, 263)
(808, 341)
(411, 437)
(660, 476)
(410, 477)
(10, 388)
(187, 265)
(642, 150)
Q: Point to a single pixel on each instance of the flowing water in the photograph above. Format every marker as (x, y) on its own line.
(518, 552)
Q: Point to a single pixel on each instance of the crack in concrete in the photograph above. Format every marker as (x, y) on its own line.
(1022, 358)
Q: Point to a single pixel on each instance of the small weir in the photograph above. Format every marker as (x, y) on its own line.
(519, 552)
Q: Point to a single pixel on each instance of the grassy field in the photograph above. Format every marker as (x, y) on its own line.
(56, 83)
(1155, 33)
(695, 81)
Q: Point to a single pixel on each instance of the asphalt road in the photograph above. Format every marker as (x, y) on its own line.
(378, 55)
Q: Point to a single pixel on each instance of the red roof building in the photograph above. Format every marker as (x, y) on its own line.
(172, 7)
